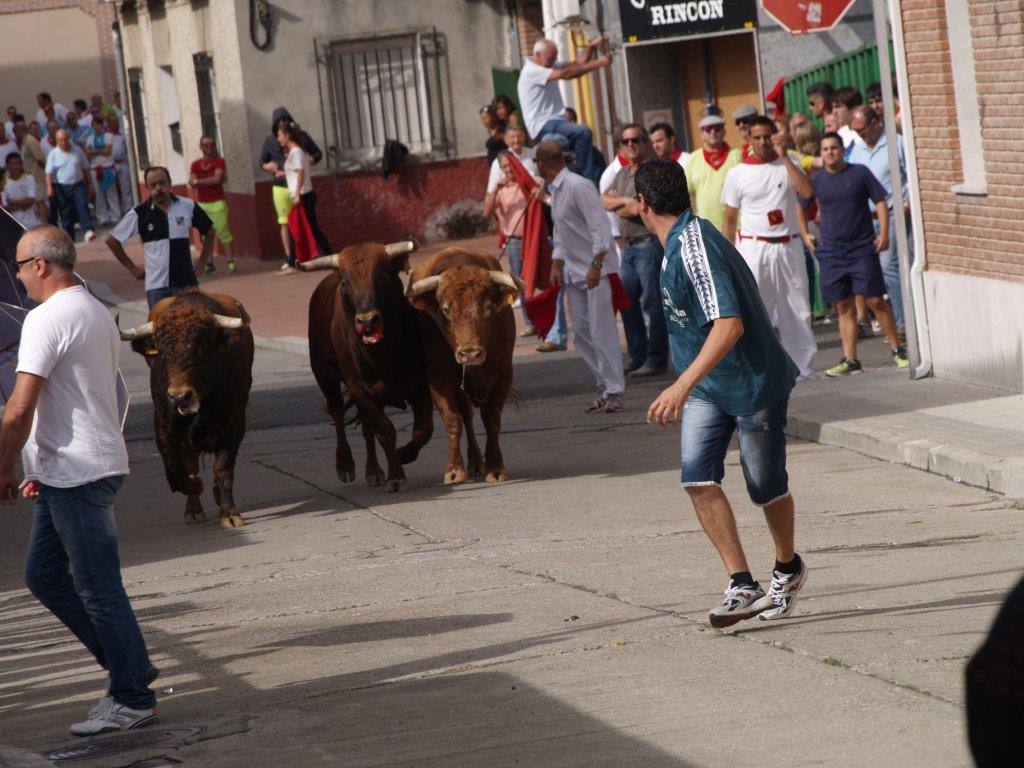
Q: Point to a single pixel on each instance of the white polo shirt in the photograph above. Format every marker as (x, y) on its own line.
(765, 198)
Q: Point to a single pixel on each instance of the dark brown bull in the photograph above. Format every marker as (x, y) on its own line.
(199, 349)
(468, 337)
(364, 334)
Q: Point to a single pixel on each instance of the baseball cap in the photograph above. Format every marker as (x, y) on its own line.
(711, 120)
(743, 112)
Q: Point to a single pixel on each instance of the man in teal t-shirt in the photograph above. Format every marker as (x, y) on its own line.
(734, 376)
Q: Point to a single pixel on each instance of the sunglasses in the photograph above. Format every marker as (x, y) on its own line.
(632, 140)
(714, 129)
(18, 264)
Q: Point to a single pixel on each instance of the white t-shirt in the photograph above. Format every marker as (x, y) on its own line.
(71, 341)
(765, 198)
(848, 135)
(296, 159)
(539, 97)
(607, 178)
(495, 175)
(19, 189)
(6, 148)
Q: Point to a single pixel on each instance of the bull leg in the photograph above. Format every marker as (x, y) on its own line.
(447, 407)
(490, 415)
(476, 459)
(223, 488)
(376, 422)
(374, 474)
(422, 426)
(182, 470)
(344, 463)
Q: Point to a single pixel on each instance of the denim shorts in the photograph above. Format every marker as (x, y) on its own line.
(706, 433)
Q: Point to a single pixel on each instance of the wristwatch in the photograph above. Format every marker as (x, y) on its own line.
(597, 264)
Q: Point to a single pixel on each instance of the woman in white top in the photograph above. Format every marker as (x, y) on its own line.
(300, 185)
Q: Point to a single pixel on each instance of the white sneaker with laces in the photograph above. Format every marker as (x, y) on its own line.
(89, 235)
(781, 598)
(101, 706)
(116, 717)
(738, 605)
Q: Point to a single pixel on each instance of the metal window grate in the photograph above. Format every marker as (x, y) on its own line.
(389, 88)
(206, 85)
(140, 123)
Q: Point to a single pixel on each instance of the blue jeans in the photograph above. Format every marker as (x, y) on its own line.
(579, 140)
(74, 207)
(706, 433)
(558, 333)
(640, 272)
(891, 269)
(73, 569)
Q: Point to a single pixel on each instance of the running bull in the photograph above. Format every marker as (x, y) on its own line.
(363, 334)
(199, 349)
(468, 334)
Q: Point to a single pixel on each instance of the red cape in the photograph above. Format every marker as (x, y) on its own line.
(536, 237)
(302, 234)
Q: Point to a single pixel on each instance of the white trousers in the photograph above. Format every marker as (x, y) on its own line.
(108, 206)
(124, 183)
(595, 334)
(781, 276)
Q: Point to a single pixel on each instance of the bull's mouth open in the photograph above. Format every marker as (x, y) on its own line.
(370, 334)
(189, 410)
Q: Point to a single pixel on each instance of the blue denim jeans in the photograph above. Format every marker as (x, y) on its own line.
(640, 272)
(578, 139)
(891, 269)
(73, 569)
(74, 207)
(706, 433)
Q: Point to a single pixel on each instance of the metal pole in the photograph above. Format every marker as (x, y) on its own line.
(128, 109)
(895, 173)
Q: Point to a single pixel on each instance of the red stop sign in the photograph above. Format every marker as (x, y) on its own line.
(803, 16)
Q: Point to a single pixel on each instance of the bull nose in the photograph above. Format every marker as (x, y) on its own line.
(181, 398)
(470, 355)
(372, 317)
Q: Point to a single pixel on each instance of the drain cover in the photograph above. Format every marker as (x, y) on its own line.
(123, 742)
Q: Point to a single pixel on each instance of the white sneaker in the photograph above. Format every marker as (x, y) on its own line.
(115, 717)
(739, 604)
(101, 706)
(781, 598)
(89, 235)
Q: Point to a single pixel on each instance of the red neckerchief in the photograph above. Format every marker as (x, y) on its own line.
(746, 150)
(623, 160)
(674, 156)
(716, 157)
(755, 160)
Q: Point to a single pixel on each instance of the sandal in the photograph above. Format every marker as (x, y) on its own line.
(597, 406)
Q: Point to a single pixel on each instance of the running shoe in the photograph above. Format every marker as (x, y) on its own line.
(232, 266)
(899, 356)
(108, 701)
(115, 718)
(210, 269)
(740, 603)
(864, 331)
(845, 367)
(781, 597)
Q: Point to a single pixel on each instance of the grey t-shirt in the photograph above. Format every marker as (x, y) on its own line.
(625, 186)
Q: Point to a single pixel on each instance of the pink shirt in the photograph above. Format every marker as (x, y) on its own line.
(509, 206)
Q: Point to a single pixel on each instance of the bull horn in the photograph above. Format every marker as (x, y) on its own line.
(229, 323)
(400, 248)
(138, 332)
(509, 281)
(426, 285)
(322, 262)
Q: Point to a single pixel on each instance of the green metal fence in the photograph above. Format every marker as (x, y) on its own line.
(858, 68)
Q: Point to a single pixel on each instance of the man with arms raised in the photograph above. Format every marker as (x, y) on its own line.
(734, 376)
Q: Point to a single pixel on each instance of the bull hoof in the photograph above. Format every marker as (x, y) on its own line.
(497, 477)
(231, 520)
(399, 484)
(375, 479)
(476, 469)
(193, 517)
(407, 453)
(346, 475)
(455, 476)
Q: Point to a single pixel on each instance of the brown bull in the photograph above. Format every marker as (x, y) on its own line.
(199, 349)
(468, 336)
(364, 334)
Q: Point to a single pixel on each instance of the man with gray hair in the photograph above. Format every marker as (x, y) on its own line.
(62, 417)
(544, 109)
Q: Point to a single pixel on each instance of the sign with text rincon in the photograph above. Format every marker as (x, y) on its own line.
(644, 20)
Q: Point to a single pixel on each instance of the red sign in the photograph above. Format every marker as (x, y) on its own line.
(803, 16)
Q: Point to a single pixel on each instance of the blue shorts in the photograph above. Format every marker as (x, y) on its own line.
(706, 433)
(846, 275)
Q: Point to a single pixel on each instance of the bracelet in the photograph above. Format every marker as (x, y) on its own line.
(597, 264)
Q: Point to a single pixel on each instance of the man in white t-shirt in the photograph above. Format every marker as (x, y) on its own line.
(544, 109)
(762, 192)
(63, 418)
(19, 193)
(7, 145)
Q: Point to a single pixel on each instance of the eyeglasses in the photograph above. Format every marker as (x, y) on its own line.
(18, 264)
(632, 140)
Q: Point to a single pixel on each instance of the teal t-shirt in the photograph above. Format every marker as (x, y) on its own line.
(703, 278)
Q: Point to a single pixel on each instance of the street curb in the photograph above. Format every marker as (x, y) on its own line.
(961, 465)
(12, 757)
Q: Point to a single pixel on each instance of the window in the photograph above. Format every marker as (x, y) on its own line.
(207, 87)
(968, 114)
(389, 88)
(138, 113)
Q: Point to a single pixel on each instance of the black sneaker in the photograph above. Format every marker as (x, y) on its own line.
(845, 367)
(210, 269)
(899, 356)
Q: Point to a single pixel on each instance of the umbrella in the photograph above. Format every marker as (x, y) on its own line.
(15, 304)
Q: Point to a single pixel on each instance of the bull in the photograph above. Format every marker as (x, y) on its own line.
(199, 349)
(363, 334)
(468, 336)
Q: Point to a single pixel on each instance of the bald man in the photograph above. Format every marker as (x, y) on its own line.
(68, 179)
(544, 109)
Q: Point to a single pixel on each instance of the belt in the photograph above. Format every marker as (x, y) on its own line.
(636, 240)
(783, 239)
(513, 237)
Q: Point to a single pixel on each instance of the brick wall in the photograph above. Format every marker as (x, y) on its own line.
(530, 25)
(969, 235)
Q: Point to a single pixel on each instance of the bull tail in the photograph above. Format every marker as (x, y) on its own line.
(355, 418)
(514, 397)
